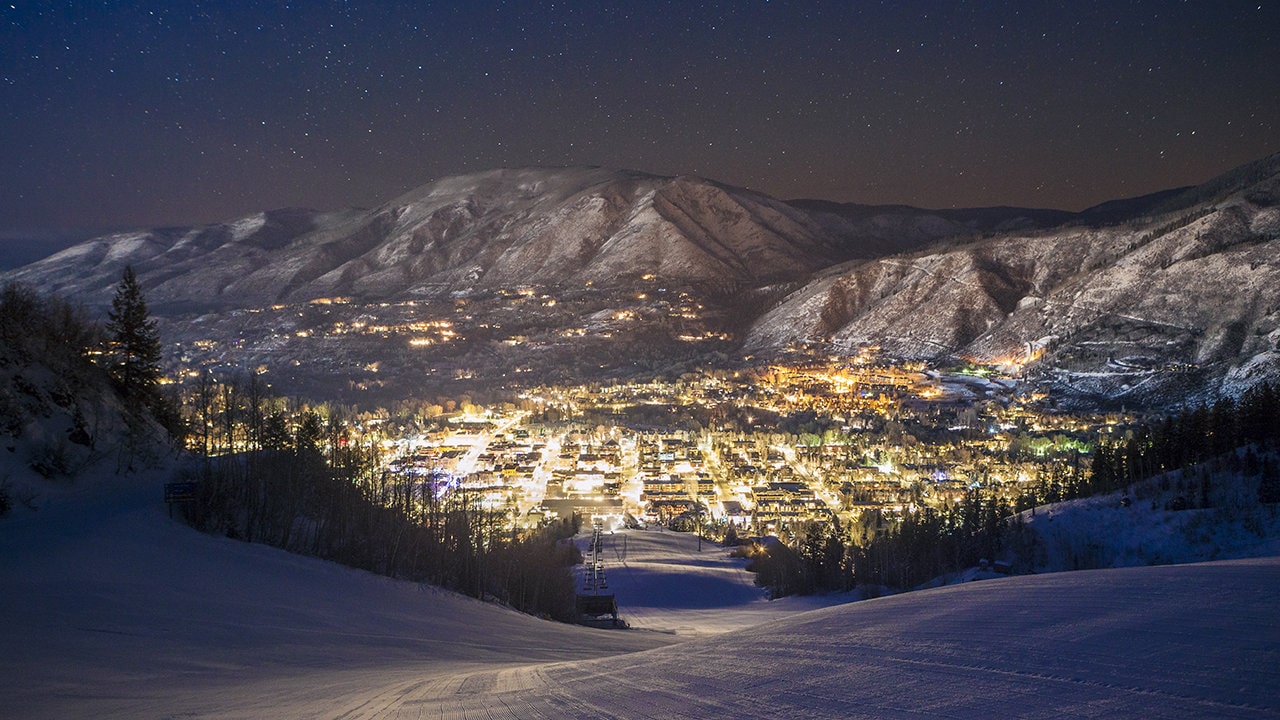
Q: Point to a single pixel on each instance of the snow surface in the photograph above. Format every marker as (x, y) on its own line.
(663, 582)
(244, 227)
(125, 244)
(1102, 531)
(109, 609)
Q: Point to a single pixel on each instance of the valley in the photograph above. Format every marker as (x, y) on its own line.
(384, 352)
(377, 361)
(777, 449)
(538, 275)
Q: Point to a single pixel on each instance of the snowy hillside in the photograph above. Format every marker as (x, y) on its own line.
(60, 413)
(1179, 517)
(1146, 301)
(1183, 300)
(497, 229)
(110, 609)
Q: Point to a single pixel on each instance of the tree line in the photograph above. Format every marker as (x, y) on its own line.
(267, 471)
(302, 480)
(904, 549)
(898, 549)
(76, 391)
(1188, 437)
(926, 543)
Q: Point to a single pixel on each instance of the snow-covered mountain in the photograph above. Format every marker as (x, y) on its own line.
(1184, 296)
(504, 228)
(1141, 300)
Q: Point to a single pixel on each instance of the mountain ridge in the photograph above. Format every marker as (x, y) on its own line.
(1138, 291)
(687, 223)
(1188, 292)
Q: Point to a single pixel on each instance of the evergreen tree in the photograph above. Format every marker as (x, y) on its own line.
(275, 433)
(134, 343)
(1269, 483)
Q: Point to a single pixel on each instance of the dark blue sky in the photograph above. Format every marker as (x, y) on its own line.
(126, 114)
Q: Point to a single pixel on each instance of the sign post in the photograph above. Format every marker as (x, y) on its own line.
(179, 492)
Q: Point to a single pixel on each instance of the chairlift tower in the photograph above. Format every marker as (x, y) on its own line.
(591, 602)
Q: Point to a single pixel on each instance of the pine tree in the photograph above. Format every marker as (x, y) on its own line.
(134, 343)
(1269, 483)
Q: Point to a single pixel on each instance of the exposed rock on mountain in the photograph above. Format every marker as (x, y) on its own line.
(1123, 312)
(592, 270)
(504, 228)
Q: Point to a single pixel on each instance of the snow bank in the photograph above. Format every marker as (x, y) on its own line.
(1138, 526)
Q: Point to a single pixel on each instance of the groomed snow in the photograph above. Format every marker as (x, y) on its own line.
(664, 583)
(1188, 641)
(109, 609)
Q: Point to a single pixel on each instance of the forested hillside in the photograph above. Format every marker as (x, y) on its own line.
(64, 407)
(301, 482)
(1200, 484)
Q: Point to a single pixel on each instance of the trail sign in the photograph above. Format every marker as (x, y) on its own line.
(179, 492)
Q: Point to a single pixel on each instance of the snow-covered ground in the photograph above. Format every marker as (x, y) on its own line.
(109, 609)
(664, 583)
(1137, 526)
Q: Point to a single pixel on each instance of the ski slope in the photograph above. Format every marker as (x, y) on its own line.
(665, 583)
(108, 609)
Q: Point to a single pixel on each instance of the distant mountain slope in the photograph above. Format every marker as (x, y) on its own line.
(503, 228)
(211, 265)
(1153, 299)
(1104, 311)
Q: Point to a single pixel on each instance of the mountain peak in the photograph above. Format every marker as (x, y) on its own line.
(1177, 285)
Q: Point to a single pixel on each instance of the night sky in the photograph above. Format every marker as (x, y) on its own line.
(130, 114)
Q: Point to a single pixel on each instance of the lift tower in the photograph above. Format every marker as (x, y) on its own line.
(593, 604)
